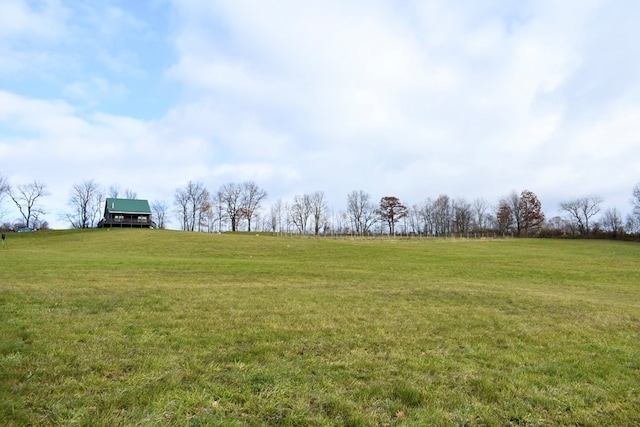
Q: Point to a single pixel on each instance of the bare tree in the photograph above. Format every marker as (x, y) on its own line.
(318, 210)
(26, 198)
(635, 202)
(513, 201)
(205, 210)
(199, 201)
(415, 218)
(211, 215)
(339, 223)
(114, 191)
(86, 199)
(462, 215)
(442, 215)
(230, 198)
(504, 217)
(300, 210)
(4, 185)
(531, 215)
(480, 208)
(130, 194)
(361, 211)
(276, 213)
(632, 224)
(252, 196)
(181, 201)
(191, 202)
(612, 222)
(427, 217)
(559, 224)
(218, 217)
(581, 211)
(160, 209)
(391, 211)
(4, 190)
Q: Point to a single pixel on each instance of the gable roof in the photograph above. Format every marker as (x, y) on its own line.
(128, 206)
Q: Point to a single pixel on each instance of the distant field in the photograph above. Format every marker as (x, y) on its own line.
(151, 327)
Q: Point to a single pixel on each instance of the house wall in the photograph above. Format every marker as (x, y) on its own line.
(127, 220)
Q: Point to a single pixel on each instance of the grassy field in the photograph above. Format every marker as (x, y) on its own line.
(150, 327)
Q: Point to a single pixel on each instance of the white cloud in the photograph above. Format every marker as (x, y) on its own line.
(93, 91)
(24, 25)
(24, 20)
(434, 92)
(414, 99)
(60, 147)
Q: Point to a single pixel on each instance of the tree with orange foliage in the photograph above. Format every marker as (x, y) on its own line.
(531, 215)
(391, 211)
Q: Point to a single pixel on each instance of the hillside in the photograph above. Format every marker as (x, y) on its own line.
(148, 327)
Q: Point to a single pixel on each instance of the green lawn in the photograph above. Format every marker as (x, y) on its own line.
(151, 327)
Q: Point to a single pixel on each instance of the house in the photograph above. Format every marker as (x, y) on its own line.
(126, 213)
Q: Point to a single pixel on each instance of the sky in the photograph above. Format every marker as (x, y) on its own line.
(413, 99)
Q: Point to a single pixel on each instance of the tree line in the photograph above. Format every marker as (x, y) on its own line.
(240, 206)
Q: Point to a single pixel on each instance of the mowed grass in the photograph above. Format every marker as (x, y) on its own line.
(151, 327)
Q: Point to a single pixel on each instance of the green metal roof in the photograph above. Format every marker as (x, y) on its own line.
(129, 206)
